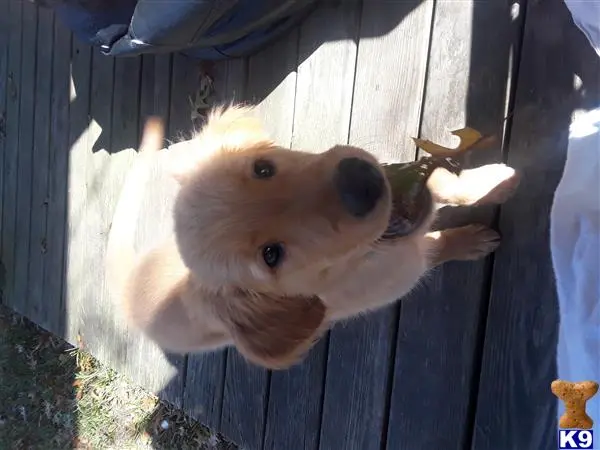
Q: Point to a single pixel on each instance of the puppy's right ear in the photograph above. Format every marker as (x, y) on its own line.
(271, 331)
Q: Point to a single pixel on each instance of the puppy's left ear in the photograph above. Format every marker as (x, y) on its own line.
(274, 332)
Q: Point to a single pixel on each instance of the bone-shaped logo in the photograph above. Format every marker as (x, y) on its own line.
(575, 396)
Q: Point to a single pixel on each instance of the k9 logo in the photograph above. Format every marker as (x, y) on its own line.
(576, 439)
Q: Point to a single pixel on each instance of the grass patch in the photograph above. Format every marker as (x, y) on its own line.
(36, 392)
(55, 396)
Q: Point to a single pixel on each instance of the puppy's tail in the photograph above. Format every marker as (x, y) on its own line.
(120, 251)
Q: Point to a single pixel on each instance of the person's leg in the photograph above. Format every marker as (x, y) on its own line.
(575, 246)
(575, 237)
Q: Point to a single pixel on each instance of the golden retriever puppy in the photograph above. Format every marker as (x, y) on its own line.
(270, 246)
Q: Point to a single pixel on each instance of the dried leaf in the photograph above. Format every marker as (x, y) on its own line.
(469, 139)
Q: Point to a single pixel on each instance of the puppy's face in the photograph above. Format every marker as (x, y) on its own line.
(275, 220)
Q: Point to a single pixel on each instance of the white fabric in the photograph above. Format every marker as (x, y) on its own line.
(575, 246)
(586, 15)
(575, 238)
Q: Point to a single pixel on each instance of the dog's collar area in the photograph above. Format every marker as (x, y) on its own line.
(406, 220)
(411, 199)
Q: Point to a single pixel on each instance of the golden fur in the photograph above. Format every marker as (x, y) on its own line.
(209, 286)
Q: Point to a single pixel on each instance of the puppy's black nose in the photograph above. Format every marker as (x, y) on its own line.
(359, 184)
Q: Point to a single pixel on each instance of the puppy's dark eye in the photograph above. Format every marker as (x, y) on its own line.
(263, 169)
(273, 254)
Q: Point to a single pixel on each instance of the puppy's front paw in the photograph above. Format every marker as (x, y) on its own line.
(466, 243)
(489, 184)
(472, 242)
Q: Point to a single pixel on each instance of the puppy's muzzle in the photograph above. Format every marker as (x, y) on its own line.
(359, 184)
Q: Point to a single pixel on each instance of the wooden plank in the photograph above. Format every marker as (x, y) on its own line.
(126, 104)
(99, 331)
(54, 307)
(516, 408)
(25, 158)
(203, 396)
(155, 90)
(41, 156)
(295, 399)
(79, 289)
(12, 149)
(4, 44)
(184, 82)
(162, 85)
(147, 89)
(466, 85)
(271, 85)
(385, 114)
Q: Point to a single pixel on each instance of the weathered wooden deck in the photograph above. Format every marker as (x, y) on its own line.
(465, 362)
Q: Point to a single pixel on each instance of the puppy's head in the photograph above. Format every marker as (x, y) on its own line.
(260, 227)
(257, 216)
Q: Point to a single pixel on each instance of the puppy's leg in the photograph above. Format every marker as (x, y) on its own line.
(466, 243)
(389, 272)
(489, 184)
